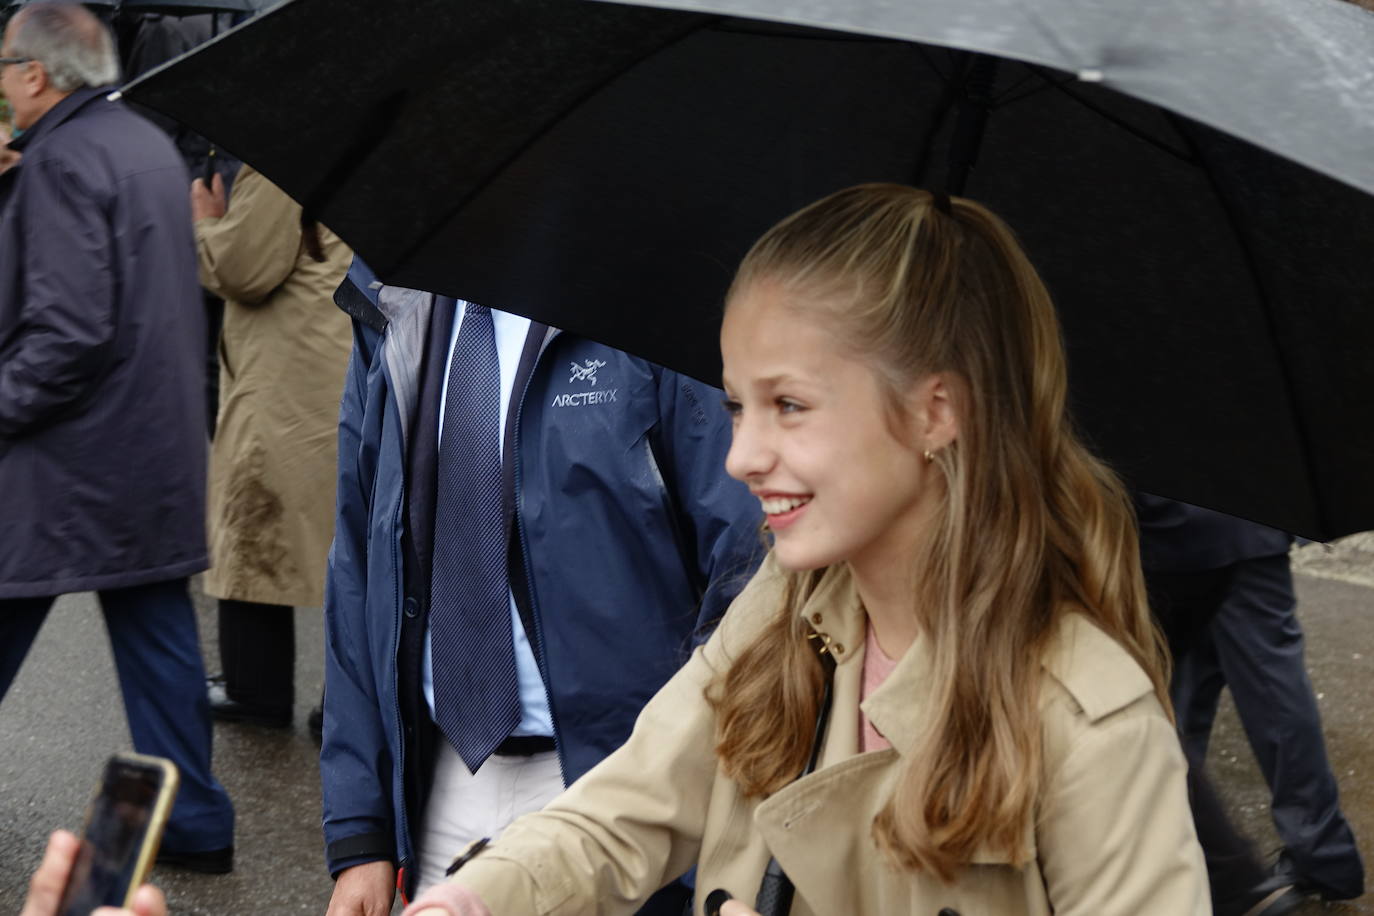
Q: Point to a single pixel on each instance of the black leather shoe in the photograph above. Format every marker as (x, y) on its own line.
(1275, 896)
(209, 862)
(1286, 870)
(230, 710)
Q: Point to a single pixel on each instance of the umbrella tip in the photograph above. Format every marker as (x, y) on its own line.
(114, 96)
(1090, 75)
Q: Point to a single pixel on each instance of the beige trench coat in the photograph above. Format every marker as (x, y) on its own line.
(1113, 835)
(283, 353)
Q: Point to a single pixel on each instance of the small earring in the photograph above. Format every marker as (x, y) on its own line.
(929, 455)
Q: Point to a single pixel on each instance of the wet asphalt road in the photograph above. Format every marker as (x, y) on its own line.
(63, 716)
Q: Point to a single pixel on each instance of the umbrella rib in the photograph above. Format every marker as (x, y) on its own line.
(1252, 262)
(924, 51)
(1119, 122)
(698, 24)
(1008, 98)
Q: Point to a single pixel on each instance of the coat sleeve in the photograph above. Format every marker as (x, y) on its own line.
(636, 820)
(355, 764)
(68, 314)
(1114, 835)
(250, 250)
(718, 517)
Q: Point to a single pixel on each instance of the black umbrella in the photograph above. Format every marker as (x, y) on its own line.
(174, 7)
(603, 167)
(185, 7)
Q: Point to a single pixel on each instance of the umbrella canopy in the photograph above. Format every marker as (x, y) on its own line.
(602, 167)
(184, 7)
(175, 7)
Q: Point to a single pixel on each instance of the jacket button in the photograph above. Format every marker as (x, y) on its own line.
(839, 650)
(412, 608)
(816, 618)
(948, 911)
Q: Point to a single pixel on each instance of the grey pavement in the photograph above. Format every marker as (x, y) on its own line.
(63, 716)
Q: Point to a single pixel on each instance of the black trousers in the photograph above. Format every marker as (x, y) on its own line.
(1254, 646)
(257, 653)
(1184, 604)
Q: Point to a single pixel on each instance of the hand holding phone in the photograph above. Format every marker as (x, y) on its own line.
(45, 890)
(123, 829)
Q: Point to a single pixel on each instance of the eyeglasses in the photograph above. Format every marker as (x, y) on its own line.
(15, 60)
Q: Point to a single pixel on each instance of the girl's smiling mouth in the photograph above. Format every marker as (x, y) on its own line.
(782, 509)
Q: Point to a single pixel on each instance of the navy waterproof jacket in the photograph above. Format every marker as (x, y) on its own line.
(102, 357)
(633, 541)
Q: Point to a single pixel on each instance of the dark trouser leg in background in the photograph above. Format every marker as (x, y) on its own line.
(157, 654)
(257, 649)
(1255, 646)
(214, 323)
(1233, 868)
(20, 621)
(1184, 604)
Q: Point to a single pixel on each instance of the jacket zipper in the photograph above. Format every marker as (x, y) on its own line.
(529, 579)
(403, 821)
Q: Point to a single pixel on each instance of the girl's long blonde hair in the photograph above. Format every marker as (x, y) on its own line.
(1029, 526)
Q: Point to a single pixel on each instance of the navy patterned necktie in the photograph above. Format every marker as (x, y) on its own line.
(476, 691)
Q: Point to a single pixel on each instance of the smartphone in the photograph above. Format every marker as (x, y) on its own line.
(123, 828)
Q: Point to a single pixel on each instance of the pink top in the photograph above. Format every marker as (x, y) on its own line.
(877, 666)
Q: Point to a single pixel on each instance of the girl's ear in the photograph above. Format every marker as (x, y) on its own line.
(932, 406)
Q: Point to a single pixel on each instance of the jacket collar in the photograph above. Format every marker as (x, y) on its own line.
(1092, 667)
(59, 113)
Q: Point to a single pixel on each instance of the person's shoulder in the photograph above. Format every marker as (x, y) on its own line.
(753, 608)
(126, 137)
(1090, 676)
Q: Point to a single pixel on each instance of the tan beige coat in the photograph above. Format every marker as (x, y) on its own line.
(283, 353)
(1113, 835)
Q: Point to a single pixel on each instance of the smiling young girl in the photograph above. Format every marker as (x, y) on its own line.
(998, 740)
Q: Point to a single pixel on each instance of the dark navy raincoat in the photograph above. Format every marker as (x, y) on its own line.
(102, 430)
(633, 541)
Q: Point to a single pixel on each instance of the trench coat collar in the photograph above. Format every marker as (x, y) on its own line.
(1093, 668)
(897, 707)
(64, 110)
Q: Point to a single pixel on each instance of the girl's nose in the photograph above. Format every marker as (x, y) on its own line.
(750, 454)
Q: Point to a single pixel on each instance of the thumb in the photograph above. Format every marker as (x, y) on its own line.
(720, 903)
(45, 890)
(733, 907)
(148, 901)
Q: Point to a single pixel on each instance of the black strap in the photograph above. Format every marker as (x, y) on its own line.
(356, 304)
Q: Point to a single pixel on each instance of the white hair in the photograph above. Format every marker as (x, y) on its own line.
(73, 46)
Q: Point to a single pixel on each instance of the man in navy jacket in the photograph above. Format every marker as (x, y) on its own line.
(627, 540)
(102, 429)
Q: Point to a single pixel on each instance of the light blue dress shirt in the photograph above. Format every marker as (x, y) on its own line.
(535, 719)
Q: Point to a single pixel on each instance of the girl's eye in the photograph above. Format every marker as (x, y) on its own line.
(787, 405)
(732, 407)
